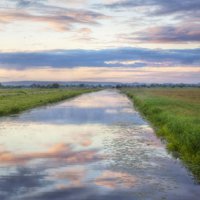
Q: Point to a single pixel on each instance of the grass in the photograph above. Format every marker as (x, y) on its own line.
(175, 115)
(13, 101)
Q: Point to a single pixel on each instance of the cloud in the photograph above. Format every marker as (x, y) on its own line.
(160, 7)
(25, 3)
(58, 21)
(119, 57)
(83, 34)
(57, 17)
(167, 12)
(165, 34)
(106, 74)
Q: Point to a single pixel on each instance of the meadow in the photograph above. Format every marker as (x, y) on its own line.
(175, 115)
(173, 112)
(13, 101)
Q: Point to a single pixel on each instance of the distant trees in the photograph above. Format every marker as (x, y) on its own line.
(98, 85)
(53, 85)
(1, 85)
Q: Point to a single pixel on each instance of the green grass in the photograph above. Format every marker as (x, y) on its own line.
(175, 115)
(13, 101)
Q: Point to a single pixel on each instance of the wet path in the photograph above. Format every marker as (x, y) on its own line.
(93, 147)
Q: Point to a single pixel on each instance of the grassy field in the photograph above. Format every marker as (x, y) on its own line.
(13, 101)
(175, 115)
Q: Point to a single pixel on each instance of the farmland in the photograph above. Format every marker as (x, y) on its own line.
(13, 101)
(175, 115)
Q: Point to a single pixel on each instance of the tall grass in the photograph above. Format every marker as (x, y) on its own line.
(13, 101)
(175, 115)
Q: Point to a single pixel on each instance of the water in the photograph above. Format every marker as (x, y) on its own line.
(93, 147)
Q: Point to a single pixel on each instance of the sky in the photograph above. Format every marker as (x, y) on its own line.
(146, 41)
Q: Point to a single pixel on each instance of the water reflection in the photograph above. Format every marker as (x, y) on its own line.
(116, 180)
(60, 152)
(95, 146)
(87, 109)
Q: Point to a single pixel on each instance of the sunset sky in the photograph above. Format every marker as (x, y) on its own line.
(151, 41)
